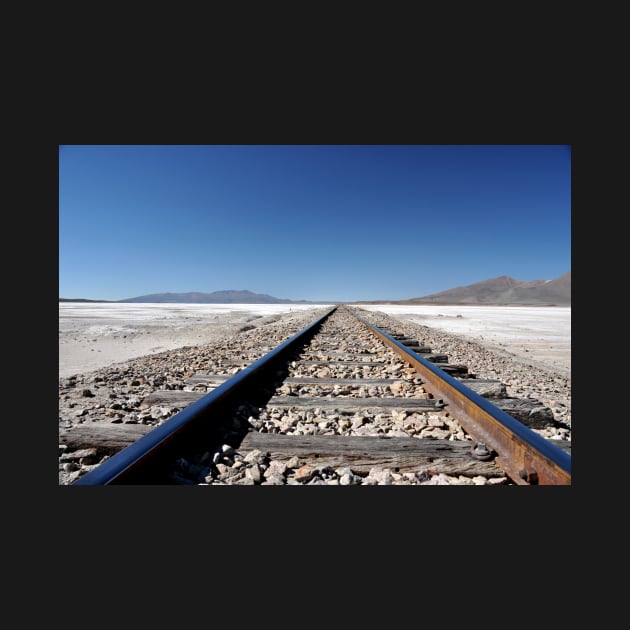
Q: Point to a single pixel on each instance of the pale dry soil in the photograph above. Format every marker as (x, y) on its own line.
(87, 344)
(96, 336)
(539, 336)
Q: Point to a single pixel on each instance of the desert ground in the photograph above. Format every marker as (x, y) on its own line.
(95, 335)
(540, 335)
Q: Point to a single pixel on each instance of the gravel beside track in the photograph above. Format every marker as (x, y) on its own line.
(114, 394)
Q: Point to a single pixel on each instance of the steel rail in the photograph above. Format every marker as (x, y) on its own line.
(525, 456)
(132, 458)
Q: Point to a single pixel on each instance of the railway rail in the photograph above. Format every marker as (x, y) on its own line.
(341, 402)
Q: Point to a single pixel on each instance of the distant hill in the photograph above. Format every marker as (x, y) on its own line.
(502, 291)
(216, 297)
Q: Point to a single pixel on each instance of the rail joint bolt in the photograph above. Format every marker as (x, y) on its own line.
(480, 451)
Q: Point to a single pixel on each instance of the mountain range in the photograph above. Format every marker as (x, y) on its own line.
(216, 297)
(497, 291)
(500, 291)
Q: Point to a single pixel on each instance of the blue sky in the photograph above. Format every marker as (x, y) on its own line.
(312, 222)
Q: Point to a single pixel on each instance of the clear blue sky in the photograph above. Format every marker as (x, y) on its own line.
(313, 222)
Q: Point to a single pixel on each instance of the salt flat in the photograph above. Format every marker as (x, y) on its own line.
(540, 334)
(95, 335)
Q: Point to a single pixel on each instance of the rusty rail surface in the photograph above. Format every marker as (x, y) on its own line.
(526, 457)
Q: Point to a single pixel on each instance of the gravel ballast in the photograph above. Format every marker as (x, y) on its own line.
(114, 393)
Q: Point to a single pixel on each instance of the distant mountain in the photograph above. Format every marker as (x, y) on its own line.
(216, 297)
(500, 291)
(503, 291)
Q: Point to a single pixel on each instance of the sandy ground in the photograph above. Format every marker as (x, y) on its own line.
(540, 335)
(95, 335)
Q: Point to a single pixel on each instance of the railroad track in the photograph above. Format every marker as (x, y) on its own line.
(344, 402)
